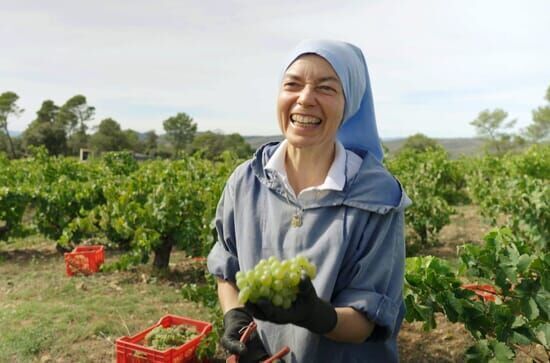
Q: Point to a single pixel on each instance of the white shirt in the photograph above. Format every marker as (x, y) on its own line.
(336, 176)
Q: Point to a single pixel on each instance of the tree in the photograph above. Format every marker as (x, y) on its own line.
(134, 141)
(237, 144)
(4, 145)
(109, 137)
(9, 107)
(180, 130)
(47, 112)
(150, 143)
(539, 130)
(46, 130)
(211, 145)
(74, 115)
(419, 143)
(491, 126)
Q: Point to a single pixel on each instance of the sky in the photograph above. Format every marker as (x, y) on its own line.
(433, 64)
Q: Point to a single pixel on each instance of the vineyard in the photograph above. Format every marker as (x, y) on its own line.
(497, 288)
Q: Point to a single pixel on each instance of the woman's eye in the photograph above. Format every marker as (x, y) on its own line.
(327, 89)
(292, 86)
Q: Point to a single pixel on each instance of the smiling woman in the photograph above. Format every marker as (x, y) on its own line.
(324, 194)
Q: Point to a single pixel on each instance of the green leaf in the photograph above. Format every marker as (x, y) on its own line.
(543, 300)
(519, 321)
(509, 270)
(519, 338)
(529, 309)
(427, 315)
(543, 334)
(479, 352)
(502, 352)
(545, 281)
(524, 262)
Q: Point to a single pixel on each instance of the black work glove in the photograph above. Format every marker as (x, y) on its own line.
(235, 322)
(308, 310)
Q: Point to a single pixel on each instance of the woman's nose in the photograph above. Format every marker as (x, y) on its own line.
(306, 97)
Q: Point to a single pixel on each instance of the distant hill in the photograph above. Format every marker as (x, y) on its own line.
(455, 146)
(256, 141)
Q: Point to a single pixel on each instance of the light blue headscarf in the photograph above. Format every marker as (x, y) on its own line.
(358, 132)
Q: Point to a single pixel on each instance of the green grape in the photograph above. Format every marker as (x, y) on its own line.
(287, 303)
(277, 285)
(295, 268)
(266, 279)
(241, 283)
(285, 265)
(244, 295)
(293, 278)
(311, 271)
(301, 261)
(261, 263)
(258, 274)
(278, 273)
(264, 292)
(254, 295)
(277, 300)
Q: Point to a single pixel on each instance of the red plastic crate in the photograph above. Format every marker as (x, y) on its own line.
(84, 259)
(485, 292)
(131, 350)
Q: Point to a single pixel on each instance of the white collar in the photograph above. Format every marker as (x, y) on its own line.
(336, 176)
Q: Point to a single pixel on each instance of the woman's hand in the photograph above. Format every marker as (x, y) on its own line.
(235, 322)
(308, 310)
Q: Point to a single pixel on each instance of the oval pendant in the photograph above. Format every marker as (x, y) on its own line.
(296, 220)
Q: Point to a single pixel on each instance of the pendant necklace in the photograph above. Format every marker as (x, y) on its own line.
(296, 220)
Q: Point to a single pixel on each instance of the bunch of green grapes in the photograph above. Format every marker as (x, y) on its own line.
(170, 337)
(274, 280)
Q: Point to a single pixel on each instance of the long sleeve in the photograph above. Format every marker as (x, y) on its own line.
(371, 280)
(222, 260)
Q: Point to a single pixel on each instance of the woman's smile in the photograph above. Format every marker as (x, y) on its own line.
(304, 121)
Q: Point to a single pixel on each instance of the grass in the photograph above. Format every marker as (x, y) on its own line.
(48, 316)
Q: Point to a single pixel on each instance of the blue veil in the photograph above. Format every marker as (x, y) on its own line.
(358, 132)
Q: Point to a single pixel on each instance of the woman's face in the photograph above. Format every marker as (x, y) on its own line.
(310, 105)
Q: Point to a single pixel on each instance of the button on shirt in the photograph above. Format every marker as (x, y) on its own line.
(335, 179)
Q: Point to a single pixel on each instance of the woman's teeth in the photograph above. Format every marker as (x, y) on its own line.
(305, 120)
